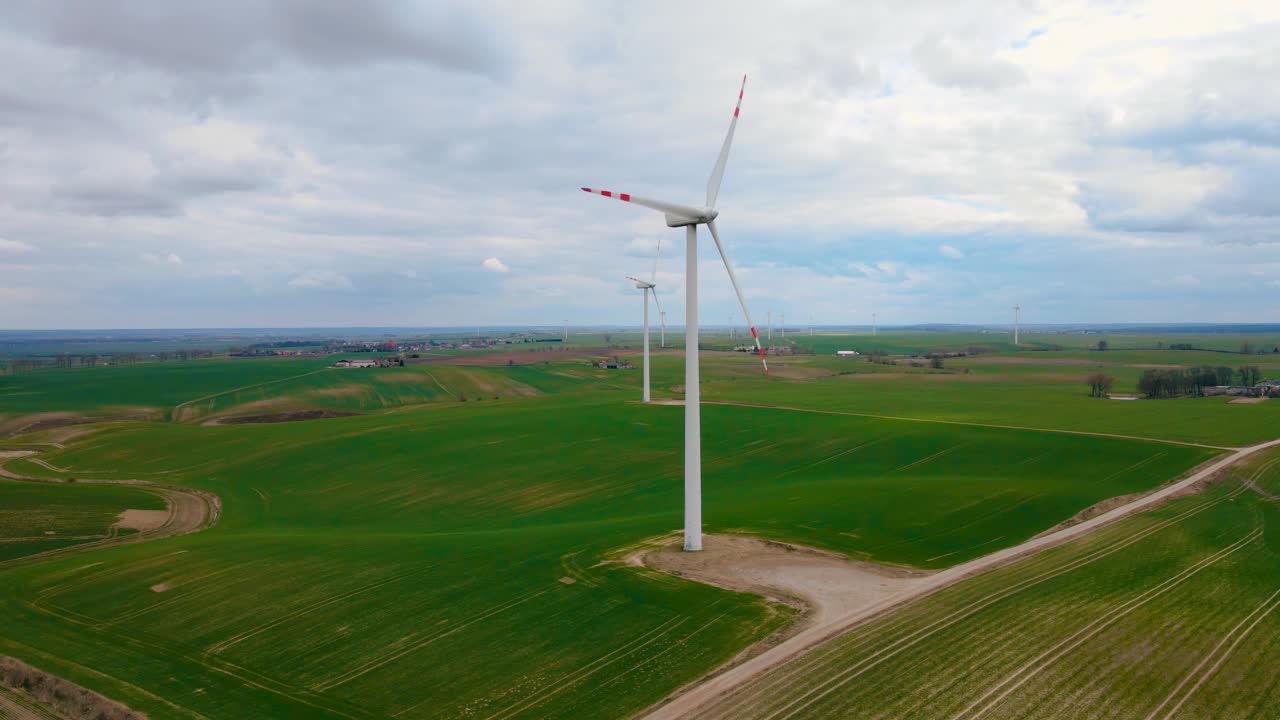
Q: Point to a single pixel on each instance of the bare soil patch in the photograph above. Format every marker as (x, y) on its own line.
(824, 585)
(1248, 401)
(143, 519)
(318, 414)
(666, 401)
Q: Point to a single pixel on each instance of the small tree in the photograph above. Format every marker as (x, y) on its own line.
(1250, 375)
(1246, 348)
(1099, 384)
(1103, 345)
(935, 362)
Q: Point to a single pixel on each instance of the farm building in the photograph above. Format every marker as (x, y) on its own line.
(1259, 390)
(356, 364)
(847, 353)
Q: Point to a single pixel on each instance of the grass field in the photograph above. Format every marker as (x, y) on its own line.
(435, 557)
(1167, 614)
(35, 517)
(411, 563)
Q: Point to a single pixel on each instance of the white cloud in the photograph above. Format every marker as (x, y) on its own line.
(868, 152)
(322, 279)
(167, 259)
(493, 264)
(1186, 280)
(14, 247)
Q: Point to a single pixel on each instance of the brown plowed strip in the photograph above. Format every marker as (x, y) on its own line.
(690, 702)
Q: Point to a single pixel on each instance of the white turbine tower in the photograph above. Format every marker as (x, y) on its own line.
(662, 316)
(1016, 310)
(645, 288)
(690, 218)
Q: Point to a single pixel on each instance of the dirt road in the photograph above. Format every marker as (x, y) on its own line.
(689, 702)
(189, 510)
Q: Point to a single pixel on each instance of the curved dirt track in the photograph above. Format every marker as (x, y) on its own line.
(189, 510)
(691, 701)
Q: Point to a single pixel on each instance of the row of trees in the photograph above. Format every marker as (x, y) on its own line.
(1167, 383)
(1176, 382)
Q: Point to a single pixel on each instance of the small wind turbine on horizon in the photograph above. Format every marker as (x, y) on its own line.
(1017, 309)
(690, 218)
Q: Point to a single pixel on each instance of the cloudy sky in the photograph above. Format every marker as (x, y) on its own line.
(323, 162)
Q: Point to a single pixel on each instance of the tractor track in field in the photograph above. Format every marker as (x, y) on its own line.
(967, 423)
(696, 699)
(189, 510)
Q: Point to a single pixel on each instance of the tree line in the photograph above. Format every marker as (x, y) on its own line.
(1167, 383)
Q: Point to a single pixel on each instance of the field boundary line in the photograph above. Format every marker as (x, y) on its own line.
(691, 700)
(849, 413)
(174, 412)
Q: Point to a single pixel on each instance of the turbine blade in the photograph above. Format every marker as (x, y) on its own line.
(659, 205)
(717, 173)
(653, 277)
(661, 319)
(733, 279)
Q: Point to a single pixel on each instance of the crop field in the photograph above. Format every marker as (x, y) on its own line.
(1168, 614)
(444, 560)
(451, 549)
(35, 517)
(1041, 390)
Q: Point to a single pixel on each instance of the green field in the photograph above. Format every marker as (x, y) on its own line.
(35, 517)
(412, 561)
(1171, 613)
(450, 550)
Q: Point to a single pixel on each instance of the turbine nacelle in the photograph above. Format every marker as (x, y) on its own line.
(704, 216)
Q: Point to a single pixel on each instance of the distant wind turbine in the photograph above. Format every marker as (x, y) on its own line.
(1016, 310)
(645, 288)
(690, 218)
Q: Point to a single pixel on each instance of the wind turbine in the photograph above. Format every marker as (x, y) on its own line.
(646, 287)
(690, 218)
(1016, 310)
(662, 316)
